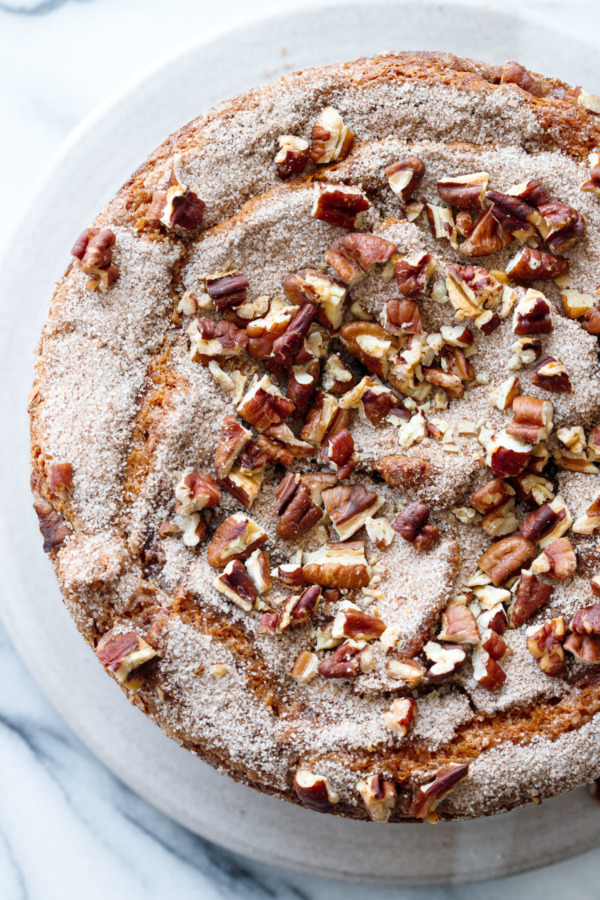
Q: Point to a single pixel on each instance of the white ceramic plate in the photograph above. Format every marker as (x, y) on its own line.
(91, 166)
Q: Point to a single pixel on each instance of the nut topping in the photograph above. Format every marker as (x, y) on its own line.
(532, 419)
(300, 609)
(52, 528)
(464, 191)
(515, 73)
(346, 661)
(404, 472)
(339, 204)
(297, 512)
(306, 667)
(409, 671)
(446, 659)
(405, 176)
(293, 155)
(326, 293)
(350, 506)
(338, 566)
(357, 625)
(441, 222)
(370, 344)
(574, 304)
(258, 568)
(237, 585)
(586, 621)
(413, 274)
(533, 314)
(401, 715)
(487, 237)
(177, 207)
(530, 596)
(380, 532)
(458, 625)
(506, 557)
(195, 492)
(558, 560)
(314, 791)
(122, 654)
(227, 290)
(486, 670)
(551, 375)
(322, 420)
(429, 796)
(535, 265)
(339, 451)
(331, 140)
(235, 538)
(210, 340)
(507, 455)
(353, 256)
(414, 526)
(378, 797)
(592, 184)
(563, 226)
(94, 249)
(264, 405)
(516, 217)
(545, 645)
(584, 648)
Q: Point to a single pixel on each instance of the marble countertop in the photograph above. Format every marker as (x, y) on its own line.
(68, 829)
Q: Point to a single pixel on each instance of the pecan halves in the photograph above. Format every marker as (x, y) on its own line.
(297, 512)
(536, 265)
(404, 472)
(342, 566)
(505, 557)
(413, 524)
(464, 191)
(227, 291)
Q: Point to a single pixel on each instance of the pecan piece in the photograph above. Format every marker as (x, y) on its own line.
(378, 797)
(592, 184)
(52, 528)
(530, 596)
(464, 191)
(337, 377)
(413, 274)
(339, 204)
(61, 478)
(532, 419)
(592, 321)
(349, 507)
(533, 314)
(405, 176)
(339, 451)
(338, 566)
(558, 560)
(297, 512)
(551, 375)
(441, 223)
(227, 290)
(491, 495)
(505, 557)
(195, 492)
(314, 791)
(542, 522)
(370, 344)
(322, 420)
(349, 660)
(507, 455)
(429, 796)
(587, 620)
(300, 609)
(306, 667)
(487, 237)
(515, 73)
(94, 249)
(302, 384)
(327, 293)
(486, 670)
(563, 226)
(264, 405)
(331, 140)
(458, 625)
(413, 524)
(235, 538)
(545, 645)
(293, 155)
(353, 256)
(209, 340)
(409, 671)
(287, 345)
(516, 217)
(237, 585)
(123, 653)
(404, 472)
(401, 715)
(585, 648)
(536, 265)
(402, 317)
(574, 304)
(446, 659)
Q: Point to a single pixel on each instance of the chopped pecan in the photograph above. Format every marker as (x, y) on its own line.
(505, 557)
(452, 384)
(349, 506)
(532, 192)
(401, 715)
(413, 524)
(235, 538)
(378, 403)
(338, 566)
(592, 184)
(52, 527)
(350, 659)
(293, 155)
(337, 377)
(61, 478)
(258, 568)
(123, 653)
(585, 648)
(405, 176)
(487, 237)
(409, 671)
(322, 419)
(300, 609)
(402, 317)
(297, 512)
(404, 472)
(491, 495)
(327, 293)
(516, 217)
(357, 625)
(331, 140)
(302, 384)
(551, 375)
(446, 659)
(532, 419)
(339, 204)
(558, 560)
(353, 256)
(316, 482)
(464, 191)
(378, 797)
(486, 670)
(515, 73)
(457, 336)
(306, 667)
(574, 304)
(533, 487)
(507, 455)
(470, 289)
(413, 274)
(591, 321)
(314, 791)
(237, 585)
(245, 484)
(370, 344)
(587, 620)
(380, 532)
(195, 492)
(529, 265)
(233, 440)
(503, 395)
(264, 405)
(533, 314)
(287, 345)
(94, 249)
(458, 625)
(210, 339)
(541, 522)
(441, 222)
(545, 645)
(464, 223)
(227, 290)
(339, 451)
(563, 226)
(530, 596)
(429, 796)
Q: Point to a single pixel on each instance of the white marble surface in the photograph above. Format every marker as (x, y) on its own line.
(68, 829)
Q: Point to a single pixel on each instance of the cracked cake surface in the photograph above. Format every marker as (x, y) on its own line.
(315, 437)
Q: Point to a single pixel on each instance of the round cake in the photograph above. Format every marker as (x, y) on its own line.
(316, 437)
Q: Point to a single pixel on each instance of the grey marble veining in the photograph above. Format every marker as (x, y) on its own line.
(68, 828)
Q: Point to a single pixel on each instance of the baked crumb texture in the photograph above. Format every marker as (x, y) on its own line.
(384, 273)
